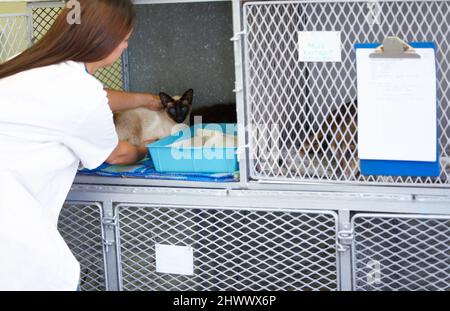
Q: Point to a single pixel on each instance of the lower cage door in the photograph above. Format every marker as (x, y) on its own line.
(226, 249)
(401, 252)
(80, 226)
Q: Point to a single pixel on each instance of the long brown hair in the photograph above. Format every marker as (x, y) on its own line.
(104, 24)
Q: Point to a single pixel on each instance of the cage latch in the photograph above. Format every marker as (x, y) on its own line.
(107, 243)
(345, 238)
(237, 36)
(237, 88)
(109, 221)
(241, 151)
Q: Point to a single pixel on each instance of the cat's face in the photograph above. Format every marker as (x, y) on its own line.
(177, 108)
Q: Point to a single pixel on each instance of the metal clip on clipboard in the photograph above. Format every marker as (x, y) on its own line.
(394, 47)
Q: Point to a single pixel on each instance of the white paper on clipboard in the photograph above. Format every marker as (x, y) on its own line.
(397, 107)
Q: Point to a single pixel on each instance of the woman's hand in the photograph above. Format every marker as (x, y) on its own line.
(153, 102)
(119, 100)
(126, 153)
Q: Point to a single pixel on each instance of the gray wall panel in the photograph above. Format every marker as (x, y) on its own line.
(182, 46)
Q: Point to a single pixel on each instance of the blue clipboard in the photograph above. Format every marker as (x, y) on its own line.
(401, 168)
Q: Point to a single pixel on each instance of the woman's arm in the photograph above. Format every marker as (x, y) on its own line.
(126, 153)
(119, 100)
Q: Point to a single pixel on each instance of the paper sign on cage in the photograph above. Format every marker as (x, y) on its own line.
(397, 122)
(174, 259)
(319, 46)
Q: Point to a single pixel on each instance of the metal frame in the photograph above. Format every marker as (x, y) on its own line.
(339, 201)
(173, 1)
(109, 223)
(100, 180)
(125, 71)
(375, 189)
(45, 3)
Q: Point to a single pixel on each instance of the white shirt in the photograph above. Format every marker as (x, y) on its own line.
(51, 118)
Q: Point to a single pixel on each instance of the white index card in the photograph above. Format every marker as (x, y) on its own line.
(320, 46)
(174, 259)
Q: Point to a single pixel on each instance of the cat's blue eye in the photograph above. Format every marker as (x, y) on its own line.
(184, 109)
(172, 110)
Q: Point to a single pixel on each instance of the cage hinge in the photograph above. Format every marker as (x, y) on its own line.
(109, 221)
(237, 36)
(237, 88)
(107, 243)
(345, 238)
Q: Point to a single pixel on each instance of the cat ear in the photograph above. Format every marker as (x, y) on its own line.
(188, 96)
(165, 99)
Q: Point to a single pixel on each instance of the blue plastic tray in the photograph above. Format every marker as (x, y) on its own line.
(194, 159)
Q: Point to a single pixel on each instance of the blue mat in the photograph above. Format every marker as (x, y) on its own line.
(146, 169)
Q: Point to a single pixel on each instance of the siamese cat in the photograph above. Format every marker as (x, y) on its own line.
(141, 126)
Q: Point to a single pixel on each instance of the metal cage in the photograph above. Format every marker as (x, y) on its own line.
(234, 249)
(19, 31)
(401, 252)
(14, 34)
(303, 116)
(266, 243)
(43, 16)
(80, 224)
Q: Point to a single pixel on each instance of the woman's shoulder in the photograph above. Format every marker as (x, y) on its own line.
(83, 89)
(66, 85)
(62, 76)
(77, 72)
(72, 78)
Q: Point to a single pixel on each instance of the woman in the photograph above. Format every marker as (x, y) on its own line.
(54, 115)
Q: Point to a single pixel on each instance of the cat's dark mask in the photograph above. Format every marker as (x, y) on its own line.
(177, 109)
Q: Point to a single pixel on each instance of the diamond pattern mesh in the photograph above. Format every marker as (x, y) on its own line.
(43, 19)
(80, 226)
(14, 35)
(111, 76)
(233, 249)
(304, 115)
(407, 253)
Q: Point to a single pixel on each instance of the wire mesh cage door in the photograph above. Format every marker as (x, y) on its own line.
(233, 249)
(14, 35)
(43, 17)
(303, 115)
(401, 252)
(80, 224)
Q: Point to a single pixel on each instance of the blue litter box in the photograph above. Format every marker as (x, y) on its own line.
(206, 159)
